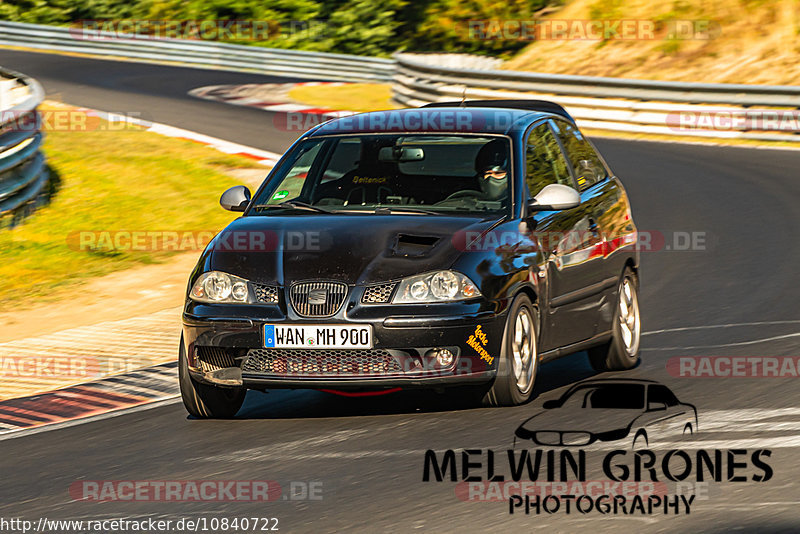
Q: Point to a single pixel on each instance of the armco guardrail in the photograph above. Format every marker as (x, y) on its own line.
(640, 106)
(203, 54)
(614, 104)
(23, 173)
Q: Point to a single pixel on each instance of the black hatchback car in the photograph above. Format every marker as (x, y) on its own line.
(455, 245)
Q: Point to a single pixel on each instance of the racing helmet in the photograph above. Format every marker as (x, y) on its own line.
(491, 166)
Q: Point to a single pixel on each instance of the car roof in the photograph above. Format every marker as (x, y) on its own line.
(543, 106)
(445, 119)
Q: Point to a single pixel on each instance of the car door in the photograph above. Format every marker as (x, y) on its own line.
(561, 239)
(606, 220)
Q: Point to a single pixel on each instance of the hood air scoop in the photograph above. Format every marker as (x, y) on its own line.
(413, 246)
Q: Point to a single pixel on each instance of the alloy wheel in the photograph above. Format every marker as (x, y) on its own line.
(523, 350)
(629, 323)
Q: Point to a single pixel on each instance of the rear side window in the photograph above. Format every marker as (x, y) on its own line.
(658, 393)
(585, 162)
(545, 163)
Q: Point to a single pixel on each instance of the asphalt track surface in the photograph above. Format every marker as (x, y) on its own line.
(737, 297)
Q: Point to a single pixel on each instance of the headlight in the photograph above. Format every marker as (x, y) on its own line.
(215, 286)
(441, 286)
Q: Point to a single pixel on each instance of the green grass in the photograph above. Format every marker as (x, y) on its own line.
(110, 181)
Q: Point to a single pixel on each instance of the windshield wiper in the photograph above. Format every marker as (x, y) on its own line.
(296, 204)
(293, 204)
(385, 210)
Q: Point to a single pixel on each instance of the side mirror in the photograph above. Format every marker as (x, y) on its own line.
(555, 197)
(656, 406)
(235, 199)
(549, 405)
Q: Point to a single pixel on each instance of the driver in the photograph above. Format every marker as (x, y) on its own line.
(491, 166)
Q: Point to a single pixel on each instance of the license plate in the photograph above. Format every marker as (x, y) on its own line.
(310, 336)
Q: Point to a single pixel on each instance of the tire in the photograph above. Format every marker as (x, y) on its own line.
(519, 357)
(205, 401)
(622, 350)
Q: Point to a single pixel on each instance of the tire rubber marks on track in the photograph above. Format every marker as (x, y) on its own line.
(93, 398)
(268, 97)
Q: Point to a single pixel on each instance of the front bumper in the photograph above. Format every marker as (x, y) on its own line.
(403, 338)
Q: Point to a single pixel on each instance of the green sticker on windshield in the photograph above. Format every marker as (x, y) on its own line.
(280, 195)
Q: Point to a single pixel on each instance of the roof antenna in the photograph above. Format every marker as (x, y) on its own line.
(464, 96)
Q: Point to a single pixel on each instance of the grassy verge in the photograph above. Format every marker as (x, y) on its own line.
(349, 97)
(111, 181)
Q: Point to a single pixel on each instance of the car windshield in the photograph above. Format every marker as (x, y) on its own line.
(393, 173)
(607, 396)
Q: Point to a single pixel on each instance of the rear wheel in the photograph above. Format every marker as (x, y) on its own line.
(519, 356)
(204, 400)
(622, 350)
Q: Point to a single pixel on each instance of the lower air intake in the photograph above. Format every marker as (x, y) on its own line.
(214, 358)
(321, 363)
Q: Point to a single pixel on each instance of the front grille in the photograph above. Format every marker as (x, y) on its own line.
(266, 294)
(378, 294)
(320, 362)
(214, 359)
(317, 299)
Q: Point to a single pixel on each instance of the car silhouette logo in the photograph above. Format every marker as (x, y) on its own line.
(642, 411)
(317, 296)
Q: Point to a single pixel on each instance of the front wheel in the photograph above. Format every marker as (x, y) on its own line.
(622, 350)
(203, 400)
(519, 357)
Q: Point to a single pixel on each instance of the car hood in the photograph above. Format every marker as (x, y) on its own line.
(356, 249)
(593, 420)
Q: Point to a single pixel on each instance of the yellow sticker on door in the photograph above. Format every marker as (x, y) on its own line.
(477, 340)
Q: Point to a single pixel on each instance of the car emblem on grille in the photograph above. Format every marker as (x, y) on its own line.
(317, 296)
(317, 299)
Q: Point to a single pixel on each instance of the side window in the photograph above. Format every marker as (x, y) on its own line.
(587, 165)
(545, 163)
(659, 393)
